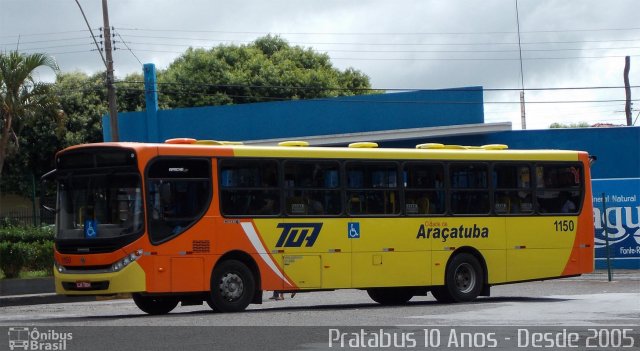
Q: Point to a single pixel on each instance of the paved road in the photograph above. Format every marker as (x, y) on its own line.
(586, 302)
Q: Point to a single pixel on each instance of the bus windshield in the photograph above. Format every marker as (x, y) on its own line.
(93, 206)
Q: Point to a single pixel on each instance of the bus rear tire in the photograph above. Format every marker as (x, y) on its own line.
(232, 287)
(155, 305)
(390, 296)
(464, 280)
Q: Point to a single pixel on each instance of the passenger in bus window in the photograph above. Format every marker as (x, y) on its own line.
(567, 205)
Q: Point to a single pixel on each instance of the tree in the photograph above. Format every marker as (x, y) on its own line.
(84, 101)
(21, 97)
(269, 69)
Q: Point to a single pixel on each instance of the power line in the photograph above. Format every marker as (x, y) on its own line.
(54, 47)
(439, 58)
(378, 89)
(127, 46)
(352, 100)
(44, 34)
(42, 41)
(422, 51)
(390, 44)
(378, 33)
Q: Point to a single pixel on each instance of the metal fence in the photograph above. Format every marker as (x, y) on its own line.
(24, 217)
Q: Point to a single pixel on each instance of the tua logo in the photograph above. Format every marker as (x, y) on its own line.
(295, 234)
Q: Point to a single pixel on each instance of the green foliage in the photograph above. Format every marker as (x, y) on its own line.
(26, 234)
(22, 99)
(13, 257)
(130, 93)
(268, 69)
(83, 99)
(40, 256)
(25, 248)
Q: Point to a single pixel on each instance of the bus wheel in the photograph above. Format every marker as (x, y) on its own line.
(463, 280)
(390, 296)
(232, 286)
(155, 304)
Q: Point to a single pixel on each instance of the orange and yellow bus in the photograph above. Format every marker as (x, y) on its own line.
(190, 221)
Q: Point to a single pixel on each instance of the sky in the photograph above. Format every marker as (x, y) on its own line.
(399, 44)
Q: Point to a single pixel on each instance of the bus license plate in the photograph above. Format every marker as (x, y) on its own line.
(83, 285)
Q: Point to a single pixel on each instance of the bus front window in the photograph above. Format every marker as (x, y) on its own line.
(99, 206)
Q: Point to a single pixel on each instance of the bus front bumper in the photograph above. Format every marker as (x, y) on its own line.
(130, 279)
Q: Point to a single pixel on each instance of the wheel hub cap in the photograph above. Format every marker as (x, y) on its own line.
(231, 286)
(465, 278)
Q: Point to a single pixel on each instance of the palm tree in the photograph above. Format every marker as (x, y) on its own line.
(21, 97)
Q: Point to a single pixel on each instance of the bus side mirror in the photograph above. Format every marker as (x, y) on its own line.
(45, 180)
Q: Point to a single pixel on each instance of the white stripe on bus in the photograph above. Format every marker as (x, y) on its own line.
(257, 244)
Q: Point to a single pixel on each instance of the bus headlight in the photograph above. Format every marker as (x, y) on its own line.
(59, 267)
(126, 261)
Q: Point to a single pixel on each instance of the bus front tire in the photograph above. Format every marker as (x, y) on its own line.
(155, 304)
(232, 287)
(464, 280)
(390, 296)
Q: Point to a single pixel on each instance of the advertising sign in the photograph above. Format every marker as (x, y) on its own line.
(622, 214)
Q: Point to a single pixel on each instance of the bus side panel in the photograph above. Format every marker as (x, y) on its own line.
(312, 252)
(387, 252)
(538, 247)
(496, 261)
(582, 255)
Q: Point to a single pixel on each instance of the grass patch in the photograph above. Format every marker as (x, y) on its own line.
(30, 274)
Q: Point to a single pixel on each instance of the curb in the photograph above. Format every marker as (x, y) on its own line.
(41, 299)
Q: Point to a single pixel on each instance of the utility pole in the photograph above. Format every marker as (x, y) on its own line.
(111, 90)
(627, 89)
(523, 115)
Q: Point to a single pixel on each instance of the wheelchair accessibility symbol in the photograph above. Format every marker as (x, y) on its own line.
(90, 229)
(354, 230)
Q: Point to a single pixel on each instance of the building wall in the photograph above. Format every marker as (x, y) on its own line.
(363, 113)
(616, 148)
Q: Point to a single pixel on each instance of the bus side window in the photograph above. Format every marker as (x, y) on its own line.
(423, 184)
(311, 188)
(178, 194)
(470, 193)
(512, 189)
(249, 187)
(561, 189)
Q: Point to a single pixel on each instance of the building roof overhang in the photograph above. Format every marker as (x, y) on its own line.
(392, 135)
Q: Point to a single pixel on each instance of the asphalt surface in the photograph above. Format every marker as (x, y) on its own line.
(584, 305)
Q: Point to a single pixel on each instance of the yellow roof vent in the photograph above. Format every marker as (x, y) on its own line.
(208, 142)
(455, 147)
(180, 141)
(218, 142)
(430, 146)
(495, 147)
(364, 145)
(294, 143)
